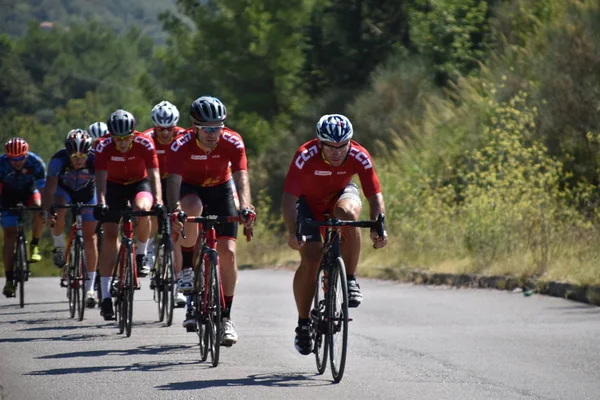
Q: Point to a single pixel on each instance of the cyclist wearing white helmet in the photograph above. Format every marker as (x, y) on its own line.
(164, 131)
(71, 179)
(319, 182)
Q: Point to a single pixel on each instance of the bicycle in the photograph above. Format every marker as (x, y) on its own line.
(329, 316)
(207, 296)
(99, 238)
(75, 269)
(124, 281)
(163, 273)
(21, 265)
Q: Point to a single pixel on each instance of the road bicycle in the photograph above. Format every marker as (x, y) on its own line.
(75, 272)
(124, 281)
(208, 299)
(162, 280)
(21, 262)
(329, 315)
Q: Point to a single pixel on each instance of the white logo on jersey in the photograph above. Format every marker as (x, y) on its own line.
(305, 156)
(233, 139)
(160, 152)
(197, 157)
(361, 157)
(341, 172)
(181, 141)
(323, 173)
(102, 144)
(113, 158)
(143, 141)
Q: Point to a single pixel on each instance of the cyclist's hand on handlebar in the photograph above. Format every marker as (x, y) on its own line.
(100, 211)
(294, 243)
(379, 241)
(161, 211)
(177, 218)
(248, 216)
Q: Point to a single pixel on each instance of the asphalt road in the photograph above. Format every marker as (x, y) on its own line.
(406, 342)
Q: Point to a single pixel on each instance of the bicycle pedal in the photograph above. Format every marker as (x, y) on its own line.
(63, 284)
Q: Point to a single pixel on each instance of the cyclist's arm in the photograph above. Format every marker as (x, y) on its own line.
(173, 190)
(154, 176)
(101, 176)
(288, 205)
(48, 192)
(242, 184)
(377, 205)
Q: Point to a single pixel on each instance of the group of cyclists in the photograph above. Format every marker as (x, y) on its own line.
(202, 170)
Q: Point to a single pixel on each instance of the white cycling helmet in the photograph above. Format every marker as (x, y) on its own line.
(97, 130)
(165, 115)
(334, 128)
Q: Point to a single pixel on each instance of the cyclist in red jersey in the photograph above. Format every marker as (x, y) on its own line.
(165, 117)
(319, 182)
(199, 183)
(126, 170)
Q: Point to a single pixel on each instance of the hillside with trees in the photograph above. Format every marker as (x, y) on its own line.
(481, 114)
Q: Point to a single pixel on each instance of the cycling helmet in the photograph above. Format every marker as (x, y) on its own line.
(121, 123)
(16, 147)
(97, 130)
(334, 128)
(165, 115)
(207, 109)
(78, 141)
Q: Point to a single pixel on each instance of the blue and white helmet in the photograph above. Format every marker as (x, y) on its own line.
(334, 128)
(165, 115)
(97, 130)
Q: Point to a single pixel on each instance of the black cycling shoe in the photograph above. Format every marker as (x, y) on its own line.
(106, 310)
(303, 340)
(354, 295)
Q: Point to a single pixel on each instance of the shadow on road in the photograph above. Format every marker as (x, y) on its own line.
(141, 350)
(149, 366)
(275, 380)
(17, 307)
(34, 312)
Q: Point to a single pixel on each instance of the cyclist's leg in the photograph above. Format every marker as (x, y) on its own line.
(35, 200)
(142, 200)
(191, 205)
(61, 197)
(9, 225)
(348, 207)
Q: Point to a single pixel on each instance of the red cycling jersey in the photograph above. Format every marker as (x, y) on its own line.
(320, 183)
(163, 149)
(201, 168)
(126, 168)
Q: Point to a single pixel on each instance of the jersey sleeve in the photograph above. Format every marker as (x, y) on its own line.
(100, 161)
(39, 172)
(239, 161)
(150, 157)
(293, 179)
(175, 155)
(366, 173)
(56, 164)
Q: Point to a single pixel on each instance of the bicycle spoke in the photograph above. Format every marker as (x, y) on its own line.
(321, 345)
(338, 319)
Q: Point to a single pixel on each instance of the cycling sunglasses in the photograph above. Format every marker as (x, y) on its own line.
(210, 129)
(17, 159)
(121, 138)
(79, 155)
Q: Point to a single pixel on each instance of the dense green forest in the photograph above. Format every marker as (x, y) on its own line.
(482, 115)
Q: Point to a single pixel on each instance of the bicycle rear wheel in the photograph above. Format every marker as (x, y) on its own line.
(200, 311)
(120, 306)
(169, 284)
(337, 329)
(21, 270)
(129, 291)
(214, 308)
(319, 323)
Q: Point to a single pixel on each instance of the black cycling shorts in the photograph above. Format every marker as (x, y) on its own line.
(117, 197)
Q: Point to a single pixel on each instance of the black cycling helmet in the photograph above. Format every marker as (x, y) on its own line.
(207, 109)
(121, 123)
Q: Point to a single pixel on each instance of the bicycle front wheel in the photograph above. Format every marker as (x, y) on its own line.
(200, 311)
(214, 308)
(80, 277)
(319, 322)
(129, 290)
(21, 270)
(158, 273)
(72, 293)
(168, 284)
(337, 329)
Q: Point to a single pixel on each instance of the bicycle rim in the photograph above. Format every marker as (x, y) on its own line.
(71, 292)
(129, 290)
(169, 285)
(338, 319)
(158, 284)
(21, 270)
(81, 274)
(120, 306)
(321, 345)
(201, 328)
(214, 311)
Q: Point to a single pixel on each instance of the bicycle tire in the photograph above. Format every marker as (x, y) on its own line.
(321, 345)
(81, 277)
(214, 308)
(169, 284)
(21, 269)
(71, 292)
(120, 303)
(158, 283)
(199, 310)
(337, 329)
(129, 291)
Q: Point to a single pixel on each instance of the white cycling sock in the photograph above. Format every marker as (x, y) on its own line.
(141, 247)
(105, 285)
(150, 248)
(89, 284)
(59, 241)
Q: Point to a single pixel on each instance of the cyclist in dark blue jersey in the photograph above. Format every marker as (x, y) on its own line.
(22, 175)
(71, 180)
